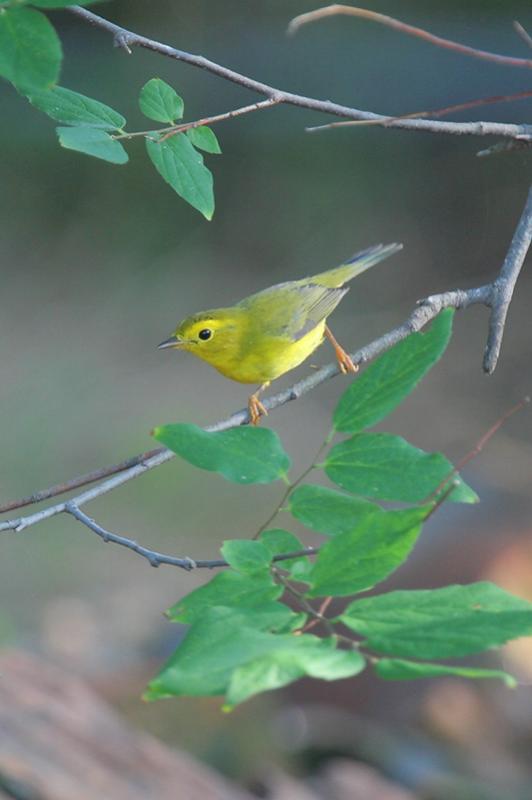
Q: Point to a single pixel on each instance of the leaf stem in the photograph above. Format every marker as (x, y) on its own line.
(291, 486)
(303, 603)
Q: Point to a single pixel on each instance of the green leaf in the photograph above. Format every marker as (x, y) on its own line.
(180, 164)
(386, 382)
(328, 511)
(158, 101)
(279, 542)
(308, 656)
(222, 640)
(30, 50)
(204, 138)
(228, 588)
(92, 142)
(243, 455)
(440, 623)
(355, 561)
(73, 108)
(246, 556)
(396, 669)
(386, 467)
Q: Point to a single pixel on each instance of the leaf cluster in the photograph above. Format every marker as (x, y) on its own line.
(30, 58)
(261, 623)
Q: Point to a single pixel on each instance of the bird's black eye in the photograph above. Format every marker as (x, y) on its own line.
(205, 334)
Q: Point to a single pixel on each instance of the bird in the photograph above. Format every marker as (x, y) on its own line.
(271, 332)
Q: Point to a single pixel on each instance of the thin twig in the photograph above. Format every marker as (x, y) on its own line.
(390, 22)
(236, 112)
(171, 130)
(290, 488)
(524, 34)
(154, 557)
(438, 112)
(302, 601)
(320, 615)
(78, 482)
(509, 145)
(125, 38)
(504, 285)
(477, 449)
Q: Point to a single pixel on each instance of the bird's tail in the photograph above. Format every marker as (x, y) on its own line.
(358, 263)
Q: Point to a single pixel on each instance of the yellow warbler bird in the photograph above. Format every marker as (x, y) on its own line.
(273, 331)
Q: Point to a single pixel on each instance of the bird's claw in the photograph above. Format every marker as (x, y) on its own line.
(345, 362)
(256, 410)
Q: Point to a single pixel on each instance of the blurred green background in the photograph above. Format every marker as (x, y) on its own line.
(98, 263)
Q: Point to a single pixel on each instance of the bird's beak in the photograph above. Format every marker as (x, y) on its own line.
(173, 341)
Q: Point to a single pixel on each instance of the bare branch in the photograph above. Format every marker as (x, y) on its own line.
(523, 33)
(236, 112)
(77, 483)
(438, 112)
(390, 22)
(186, 126)
(153, 556)
(504, 285)
(125, 38)
(508, 146)
(477, 449)
(425, 311)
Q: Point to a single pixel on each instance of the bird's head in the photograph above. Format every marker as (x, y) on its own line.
(210, 335)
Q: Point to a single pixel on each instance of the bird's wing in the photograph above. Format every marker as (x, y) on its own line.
(292, 309)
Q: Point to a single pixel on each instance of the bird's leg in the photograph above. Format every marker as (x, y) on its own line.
(345, 361)
(255, 407)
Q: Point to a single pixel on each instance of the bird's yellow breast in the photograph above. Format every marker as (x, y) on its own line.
(264, 358)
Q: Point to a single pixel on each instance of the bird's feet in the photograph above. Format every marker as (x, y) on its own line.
(256, 409)
(345, 362)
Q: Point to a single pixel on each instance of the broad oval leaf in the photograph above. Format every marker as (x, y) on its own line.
(228, 588)
(386, 467)
(93, 142)
(242, 455)
(30, 50)
(389, 379)
(439, 623)
(204, 138)
(328, 511)
(158, 101)
(74, 108)
(180, 164)
(247, 556)
(355, 561)
(218, 643)
(396, 669)
(308, 656)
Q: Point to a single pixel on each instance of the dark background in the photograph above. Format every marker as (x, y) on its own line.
(98, 262)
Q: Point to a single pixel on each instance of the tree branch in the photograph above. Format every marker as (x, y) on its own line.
(504, 285)
(391, 22)
(127, 39)
(496, 295)
(79, 481)
(153, 556)
(438, 112)
(186, 126)
(523, 33)
(425, 311)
